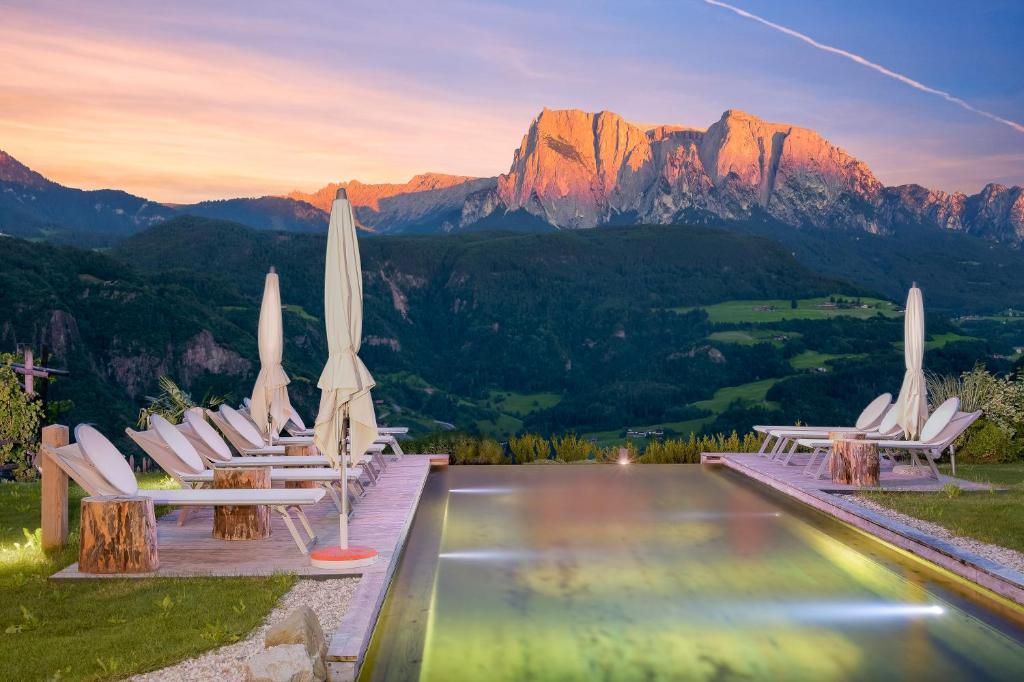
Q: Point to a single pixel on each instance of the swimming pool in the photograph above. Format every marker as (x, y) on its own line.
(666, 572)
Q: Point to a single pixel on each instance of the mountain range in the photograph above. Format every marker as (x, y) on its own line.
(575, 169)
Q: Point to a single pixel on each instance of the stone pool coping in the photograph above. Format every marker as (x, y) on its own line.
(352, 636)
(1001, 580)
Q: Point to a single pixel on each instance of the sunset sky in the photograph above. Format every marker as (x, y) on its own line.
(194, 100)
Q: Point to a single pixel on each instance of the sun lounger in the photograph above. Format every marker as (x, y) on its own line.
(938, 434)
(387, 435)
(97, 465)
(781, 437)
(178, 457)
(247, 440)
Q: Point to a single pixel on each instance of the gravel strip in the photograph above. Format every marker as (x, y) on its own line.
(329, 600)
(1001, 555)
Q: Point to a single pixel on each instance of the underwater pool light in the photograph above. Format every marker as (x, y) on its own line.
(492, 490)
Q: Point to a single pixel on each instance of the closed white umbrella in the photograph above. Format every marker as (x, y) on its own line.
(345, 382)
(269, 406)
(912, 404)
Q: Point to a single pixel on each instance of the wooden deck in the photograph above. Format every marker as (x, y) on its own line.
(380, 520)
(793, 476)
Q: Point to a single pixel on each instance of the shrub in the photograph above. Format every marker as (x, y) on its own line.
(529, 447)
(470, 450)
(986, 443)
(172, 402)
(1000, 398)
(679, 451)
(572, 448)
(20, 416)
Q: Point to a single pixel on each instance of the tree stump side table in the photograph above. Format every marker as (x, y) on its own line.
(241, 523)
(300, 450)
(854, 460)
(118, 535)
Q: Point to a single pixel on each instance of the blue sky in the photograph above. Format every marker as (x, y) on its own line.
(191, 100)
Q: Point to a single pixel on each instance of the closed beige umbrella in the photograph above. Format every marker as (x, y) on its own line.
(345, 382)
(912, 404)
(270, 407)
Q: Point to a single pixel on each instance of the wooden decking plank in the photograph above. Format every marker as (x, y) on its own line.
(380, 520)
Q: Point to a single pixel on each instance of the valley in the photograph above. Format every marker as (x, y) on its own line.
(645, 328)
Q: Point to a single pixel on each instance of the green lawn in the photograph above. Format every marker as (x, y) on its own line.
(750, 337)
(739, 312)
(993, 517)
(521, 404)
(811, 359)
(753, 392)
(299, 312)
(107, 629)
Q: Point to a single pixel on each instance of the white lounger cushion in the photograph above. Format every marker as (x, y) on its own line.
(239, 497)
(869, 416)
(276, 461)
(106, 459)
(939, 420)
(243, 426)
(874, 412)
(287, 475)
(179, 445)
(208, 434)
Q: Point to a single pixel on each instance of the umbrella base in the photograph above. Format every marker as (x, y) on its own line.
(341, 558)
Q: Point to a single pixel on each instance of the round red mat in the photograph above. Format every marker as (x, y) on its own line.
(342, 554)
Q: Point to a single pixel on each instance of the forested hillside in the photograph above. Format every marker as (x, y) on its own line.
(597, 331)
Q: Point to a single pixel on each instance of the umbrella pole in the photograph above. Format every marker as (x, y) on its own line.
(343, 446)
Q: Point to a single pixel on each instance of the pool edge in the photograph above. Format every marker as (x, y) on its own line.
(1001, 581)
(352, 636)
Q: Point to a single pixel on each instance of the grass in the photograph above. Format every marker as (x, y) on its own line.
(755, 311)
(992, 517)
(750, 337)
(811, 359)
(521, 404)
(108, 628)
(940, 340)
(753, 392)
(299, 312)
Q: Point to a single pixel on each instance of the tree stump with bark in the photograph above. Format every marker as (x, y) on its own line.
(854, 460)
(118, 535)
(250, 522)
(303, 450)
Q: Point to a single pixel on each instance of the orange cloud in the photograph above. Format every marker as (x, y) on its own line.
(185, 122)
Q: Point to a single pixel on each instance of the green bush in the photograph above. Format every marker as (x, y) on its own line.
(470, 450)
(679, 451)
(572, 448)
(529, 447)
(20, 416)
(986, 443)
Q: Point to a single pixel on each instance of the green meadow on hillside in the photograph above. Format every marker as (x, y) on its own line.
(775, 310)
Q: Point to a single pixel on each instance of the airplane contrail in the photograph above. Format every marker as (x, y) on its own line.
(869, 64)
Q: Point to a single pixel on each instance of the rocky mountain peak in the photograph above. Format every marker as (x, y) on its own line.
(15, 172)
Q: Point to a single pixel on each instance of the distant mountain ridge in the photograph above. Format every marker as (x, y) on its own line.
(575, 169)
(34, 206)
(428, 200)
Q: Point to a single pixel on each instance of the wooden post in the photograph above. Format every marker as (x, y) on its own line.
(118, 535)
(300, 450)
(29, 376)
(251, 522)
(54, 507)
(854, 460)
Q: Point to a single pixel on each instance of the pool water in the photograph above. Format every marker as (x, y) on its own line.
(674, 572)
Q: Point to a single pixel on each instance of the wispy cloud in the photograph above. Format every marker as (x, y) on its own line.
(906, 80)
